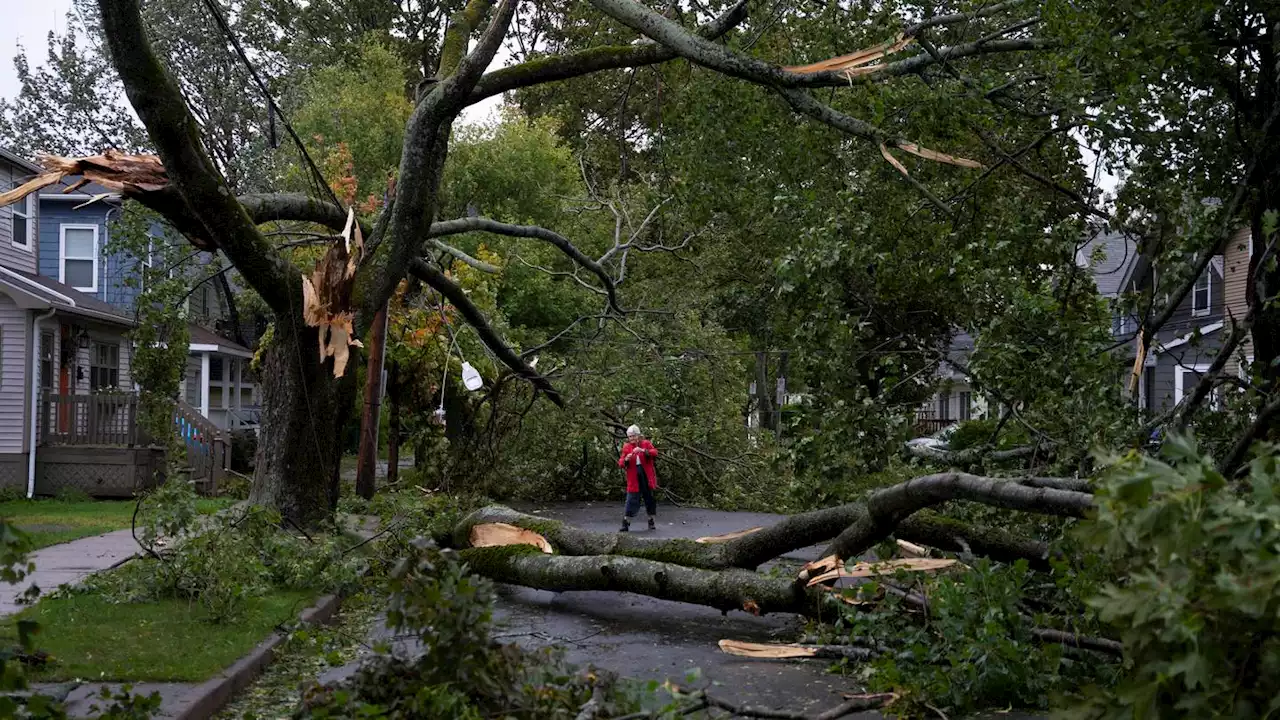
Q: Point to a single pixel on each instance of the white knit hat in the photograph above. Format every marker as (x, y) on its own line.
(633, 430)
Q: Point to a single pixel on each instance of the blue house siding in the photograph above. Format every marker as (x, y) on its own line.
(112, 268)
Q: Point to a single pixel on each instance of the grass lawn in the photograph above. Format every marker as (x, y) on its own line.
(168, 641)
(50, 522)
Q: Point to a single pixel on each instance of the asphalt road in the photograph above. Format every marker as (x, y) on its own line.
(640, 637)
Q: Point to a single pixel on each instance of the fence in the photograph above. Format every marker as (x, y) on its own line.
(926, 425)
(208, 447)
(108, 419)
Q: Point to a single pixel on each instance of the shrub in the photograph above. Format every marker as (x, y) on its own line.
(461, 672)
(224, 561)
(244, 450)
(1197, 595)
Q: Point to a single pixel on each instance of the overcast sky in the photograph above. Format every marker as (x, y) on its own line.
(27, 22)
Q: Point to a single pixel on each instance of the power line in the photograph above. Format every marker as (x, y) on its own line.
(221, 20)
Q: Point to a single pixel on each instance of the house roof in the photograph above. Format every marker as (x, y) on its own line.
(20, 161)
(57, 191)
(1115, 256)
(205, 340)
(36, 292)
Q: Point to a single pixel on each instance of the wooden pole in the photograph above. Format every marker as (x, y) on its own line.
(393, 431)
(367, 462)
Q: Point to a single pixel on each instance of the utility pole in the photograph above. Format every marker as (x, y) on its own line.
(367, 461)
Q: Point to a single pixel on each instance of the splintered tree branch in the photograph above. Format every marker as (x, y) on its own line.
(454, 294)
(476, 224)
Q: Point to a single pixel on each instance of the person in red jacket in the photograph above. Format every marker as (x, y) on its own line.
(637, 458)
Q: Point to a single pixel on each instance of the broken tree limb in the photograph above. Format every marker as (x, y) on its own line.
(724, 590)
(971, 456)
(941, 532)
(479, 224)
(754, 549)
(886, 509)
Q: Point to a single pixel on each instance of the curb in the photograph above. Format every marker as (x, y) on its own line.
(207, 698)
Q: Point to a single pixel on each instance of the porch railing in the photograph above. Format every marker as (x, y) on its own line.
(926, 426)
(103, 419)
(208, 447)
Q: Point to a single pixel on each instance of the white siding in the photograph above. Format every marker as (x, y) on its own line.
(13, 375)
(10, 256)
(191, 392)
(1235, 288)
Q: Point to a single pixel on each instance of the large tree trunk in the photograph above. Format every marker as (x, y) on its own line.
(721, 589)
(299, 452)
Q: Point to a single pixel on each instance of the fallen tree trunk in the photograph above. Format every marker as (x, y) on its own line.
(983, 453)
(724, 590)
(886, 509)
(806, 529)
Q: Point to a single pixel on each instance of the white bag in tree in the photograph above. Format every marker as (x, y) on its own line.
(471, 377)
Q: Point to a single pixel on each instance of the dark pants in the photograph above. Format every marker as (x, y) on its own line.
(633, 498)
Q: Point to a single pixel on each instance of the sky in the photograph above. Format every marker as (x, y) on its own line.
(27, 22)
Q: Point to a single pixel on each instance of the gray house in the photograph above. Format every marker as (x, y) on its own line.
(1187, 344)
(1183, 349)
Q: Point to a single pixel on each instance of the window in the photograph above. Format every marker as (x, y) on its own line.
(104, 367)
(79, 257)
(966, 406)
(1202, 295)
(1185, 379)
(23, 223)
(944, 406)
(46, 361)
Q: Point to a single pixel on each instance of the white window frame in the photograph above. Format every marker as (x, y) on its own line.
(1197, 311)
(25, 209)
(1179, 371)
(62, 254)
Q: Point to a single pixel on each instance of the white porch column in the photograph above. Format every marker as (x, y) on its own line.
(239, 373)
(204, 384)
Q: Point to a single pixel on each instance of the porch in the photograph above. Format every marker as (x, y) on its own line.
(92, 443)
(219, 383)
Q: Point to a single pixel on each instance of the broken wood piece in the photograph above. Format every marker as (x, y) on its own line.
(912, 549)
(884, 567)
(327, 302)
(761, 650)
(853, 61)
(503, 535)
(936, 156)
(712, 539)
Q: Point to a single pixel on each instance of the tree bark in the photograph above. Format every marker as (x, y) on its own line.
(393, 424)
(750, 551)
(367, 459)
(887, 508)
(298, 460)
(724, 590)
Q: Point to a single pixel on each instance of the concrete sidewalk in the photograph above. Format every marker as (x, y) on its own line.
(69, 563)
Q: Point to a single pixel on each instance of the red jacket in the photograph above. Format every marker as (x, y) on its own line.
(647, 453)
